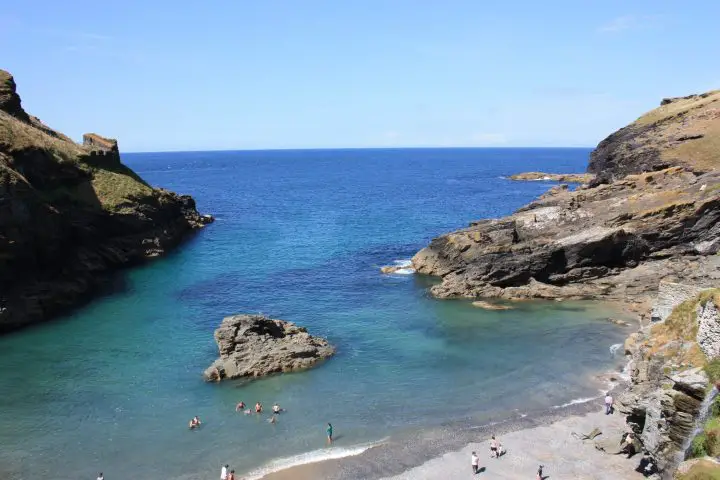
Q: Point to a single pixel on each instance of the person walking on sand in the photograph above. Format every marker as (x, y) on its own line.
(474, 462)
(540, 473)
(329, 431)
(224, 472)
(494, 447)
(609, 402)
(231, 475)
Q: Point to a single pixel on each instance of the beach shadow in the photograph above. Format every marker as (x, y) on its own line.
(336, 438)
(481, 470)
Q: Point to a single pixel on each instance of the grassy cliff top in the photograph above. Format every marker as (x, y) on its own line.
(60, 168)
(682, 131)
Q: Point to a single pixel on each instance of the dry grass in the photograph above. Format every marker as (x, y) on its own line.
(678, 107)
(675, 338)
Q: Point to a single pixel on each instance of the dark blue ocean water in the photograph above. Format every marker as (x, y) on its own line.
(300, 235)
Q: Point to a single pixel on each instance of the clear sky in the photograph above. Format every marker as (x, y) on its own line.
(179, 75)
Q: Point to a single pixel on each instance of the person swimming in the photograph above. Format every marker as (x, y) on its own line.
(273, 418)
(258, 407)
(195, 422)
(240, 406)
(277, 409)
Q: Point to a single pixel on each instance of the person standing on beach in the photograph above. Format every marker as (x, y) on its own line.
(329, 431)
(231, 475)
(474, 462)
(224, 472)
(609, 401)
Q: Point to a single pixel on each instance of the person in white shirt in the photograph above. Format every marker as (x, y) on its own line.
(100, 476)
(609, 404)
(224, 472)
(474, 461)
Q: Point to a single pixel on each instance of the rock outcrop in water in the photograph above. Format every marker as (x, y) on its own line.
(70, 213)
(255, 346)
(554, 177)
(613, 240)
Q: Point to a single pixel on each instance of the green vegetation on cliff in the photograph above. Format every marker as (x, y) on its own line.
(70, 212)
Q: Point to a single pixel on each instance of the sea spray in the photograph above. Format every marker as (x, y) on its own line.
(614, 348)
(700, 420)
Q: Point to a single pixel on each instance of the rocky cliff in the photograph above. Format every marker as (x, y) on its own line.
(683, 131)
(669, 386)
(70, 213)
(616, 238)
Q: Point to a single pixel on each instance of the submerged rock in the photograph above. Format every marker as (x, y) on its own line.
(490, 306)
(255, 346)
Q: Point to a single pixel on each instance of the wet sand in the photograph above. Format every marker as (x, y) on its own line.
(549, 440)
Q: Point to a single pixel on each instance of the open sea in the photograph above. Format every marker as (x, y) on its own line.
(301, 236)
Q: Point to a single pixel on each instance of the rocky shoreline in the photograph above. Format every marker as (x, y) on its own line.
(645, 231)
(70, 214)
(554, 177)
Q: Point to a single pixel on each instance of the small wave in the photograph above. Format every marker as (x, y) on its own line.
(400, 267)
(614, 348)
(576, 401)
(315, 456)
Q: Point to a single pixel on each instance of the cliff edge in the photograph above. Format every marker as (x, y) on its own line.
(683, 131)
(69, 213)
(654, 215)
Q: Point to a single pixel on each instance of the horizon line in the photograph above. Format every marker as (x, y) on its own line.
(284, 149)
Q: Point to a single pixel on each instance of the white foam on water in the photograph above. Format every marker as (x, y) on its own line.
(576, 401)
(404, 267)
(614, 348)
(404, 271)
(332, 453)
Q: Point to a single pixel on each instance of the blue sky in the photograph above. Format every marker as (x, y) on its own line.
(240, 74)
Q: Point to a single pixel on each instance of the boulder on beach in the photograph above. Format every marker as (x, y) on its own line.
(255, 346)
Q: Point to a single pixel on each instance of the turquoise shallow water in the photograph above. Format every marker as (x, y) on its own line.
(300, 235)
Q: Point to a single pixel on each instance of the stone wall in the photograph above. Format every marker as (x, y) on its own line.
(708, 336)
(669, 296)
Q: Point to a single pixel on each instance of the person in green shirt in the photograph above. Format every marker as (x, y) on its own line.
(329, 433)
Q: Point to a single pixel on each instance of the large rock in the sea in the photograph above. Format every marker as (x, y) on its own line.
(255, 346)
(71, 213)
(682, 131)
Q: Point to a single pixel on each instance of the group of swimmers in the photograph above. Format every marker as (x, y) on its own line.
(276, 410)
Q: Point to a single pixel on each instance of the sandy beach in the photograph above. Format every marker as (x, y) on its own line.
(552, 441)
(555, 446)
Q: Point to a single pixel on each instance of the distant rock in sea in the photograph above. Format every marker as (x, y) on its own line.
(554, 177)
(255, 346)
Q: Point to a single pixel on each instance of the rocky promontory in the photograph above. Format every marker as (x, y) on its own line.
(615, 238)
(255, 346)
(70, 213)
